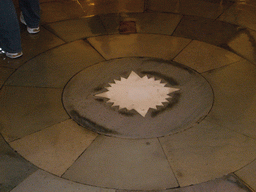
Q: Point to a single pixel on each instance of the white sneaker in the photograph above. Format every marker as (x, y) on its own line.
(11, 55)
(30, 30)
(14, 55)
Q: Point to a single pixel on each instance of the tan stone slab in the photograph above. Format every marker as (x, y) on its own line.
(208, 9)
(234, 106)
(204, 57)
(242, 14)
(56, 148)
(42, 181)
(146, 45)
(13, 168)
(248, 174)
(210, 31)
(123, 164)
(55, 67)
(26, 110)
(154, 23)
(244, 44)
(99, 7)
(228, 183)
(206, 152)
(71, 30)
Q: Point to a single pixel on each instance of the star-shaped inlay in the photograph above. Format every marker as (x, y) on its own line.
(137, 93)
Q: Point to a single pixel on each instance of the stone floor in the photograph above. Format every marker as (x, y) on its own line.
(43, 148)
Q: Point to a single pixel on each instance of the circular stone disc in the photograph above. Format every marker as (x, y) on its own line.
(137, 98)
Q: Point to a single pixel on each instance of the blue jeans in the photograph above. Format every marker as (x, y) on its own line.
(10, 40)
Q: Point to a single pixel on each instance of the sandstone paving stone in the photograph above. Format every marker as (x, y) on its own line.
(25, 110)
(139, 45)
(206, 152)
(123, 164)
(13, 168)
(42, 181)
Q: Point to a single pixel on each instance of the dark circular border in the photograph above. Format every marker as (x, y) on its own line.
(187, 106)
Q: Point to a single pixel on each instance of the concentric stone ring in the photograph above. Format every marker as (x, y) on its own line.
(188, 101)
(151, 109)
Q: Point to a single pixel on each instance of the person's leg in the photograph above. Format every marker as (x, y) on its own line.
(31, 12)
(10, 40)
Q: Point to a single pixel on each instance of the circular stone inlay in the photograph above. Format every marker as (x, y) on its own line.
(137, 97)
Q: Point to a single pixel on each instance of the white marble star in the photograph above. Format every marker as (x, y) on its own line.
(137, 93)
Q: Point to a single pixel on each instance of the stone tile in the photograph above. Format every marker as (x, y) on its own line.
(13, 168)
(75, 29)
(207, 30)
(45, 40)
(248, 174)
(145, 45)
(206, 152)
(234, 88)
(99, 7)
(244, 44)
(11, 63)
(154, 23)
(60, 10)
(27, 110)
(55, 67)
(242, 14)
(205, 8)
(56, 148)
(123, 164)
(32, 46)
(158, 23)
(204, 57)
(4, 74)
(225, 184)
(42, 181)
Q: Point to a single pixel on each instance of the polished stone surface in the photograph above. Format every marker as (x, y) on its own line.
(225, 184)
(206, 8)
(206, 152)
(42, 181)
(123, 164)
(248, 173)
(26, 110)
(207, 30)
(71, 30)
(147, 116)
(203, 57)
(56, 148)
(238, 113)
(161, 23)
(13, 168)
(139, 45)
(241, 13)
(214, 37)
(56, 67)
(244, 44)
